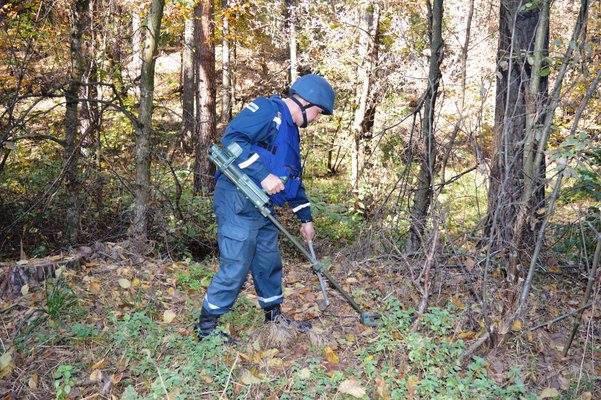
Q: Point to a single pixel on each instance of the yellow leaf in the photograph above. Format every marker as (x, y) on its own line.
(95, 287)
(96, 375)
(99, 364)
(549, 393)
(24, 289)
(136, 282)
(517, 325)
(352, 387)
(331, 355)
(33, 381)
(467, 335)
(168, 316)
(6, 364)
(124, 283)
(248, 378)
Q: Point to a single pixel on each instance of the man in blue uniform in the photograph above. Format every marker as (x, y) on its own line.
(267, 130)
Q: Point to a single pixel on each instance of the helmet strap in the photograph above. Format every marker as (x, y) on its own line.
(303, 109)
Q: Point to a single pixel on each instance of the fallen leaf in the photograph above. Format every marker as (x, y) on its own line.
(124, 283)
(116, 378)
(331, 355)
(248, 378)
(467, 335)
(275, 362)
(412, 382)
(33, 381)
(24, 289)
(549, 393)
(96, 375)
(99, 364)
(382, 389)
(586, 396)
(6, 364)
(352, 387)
(517, 325)
(168, 316)
(304, 373)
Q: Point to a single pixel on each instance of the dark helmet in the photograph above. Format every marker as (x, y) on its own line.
(316, 90)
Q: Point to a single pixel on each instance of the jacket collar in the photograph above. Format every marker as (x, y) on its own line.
(286, 116)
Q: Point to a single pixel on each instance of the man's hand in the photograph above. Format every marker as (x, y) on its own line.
(272, 184)
(307, 231)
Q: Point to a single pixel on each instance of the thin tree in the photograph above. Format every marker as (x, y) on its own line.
(365, 111)
(143, 127)
(423, 194)
(226, 68)
(206, 131)
(78, 17)
(188, 77)
(290, 21)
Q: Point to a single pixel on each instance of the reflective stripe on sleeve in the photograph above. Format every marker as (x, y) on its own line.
(252, 106)
(277, 121)
(249, 162)
(300, 207)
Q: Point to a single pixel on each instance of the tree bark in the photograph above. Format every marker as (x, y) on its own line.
(188, 84)
(292, 43)
(423, 194)
(536, 100)
(516, 39)
(226, 80)
(364, 113)
(79, 21)
(206, 132)
(136, 46)
(143, 128)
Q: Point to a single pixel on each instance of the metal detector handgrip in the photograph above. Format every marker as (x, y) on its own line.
(224, 160)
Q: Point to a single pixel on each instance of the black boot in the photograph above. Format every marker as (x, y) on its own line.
(274, 314)
(207, 326)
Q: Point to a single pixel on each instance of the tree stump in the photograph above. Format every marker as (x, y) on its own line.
(16, 274)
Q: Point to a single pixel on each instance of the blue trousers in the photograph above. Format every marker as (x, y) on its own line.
(247, 242)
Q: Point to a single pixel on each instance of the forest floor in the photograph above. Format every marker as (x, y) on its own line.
(122, 328)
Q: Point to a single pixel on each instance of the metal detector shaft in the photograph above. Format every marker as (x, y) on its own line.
(322, 283)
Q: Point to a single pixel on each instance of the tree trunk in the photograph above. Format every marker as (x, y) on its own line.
(188, 84)
(536, 101)
(363, 119)
(292, 44)
(516, 39)
(226, 80)
(79, 17)
(136, 48)
(465, 50)
(423, 194)
(206, 132)
(143, 128)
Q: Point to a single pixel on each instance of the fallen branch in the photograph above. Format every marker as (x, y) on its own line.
(561, 317)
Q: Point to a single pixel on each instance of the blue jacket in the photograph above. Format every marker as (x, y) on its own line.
(271, 144)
